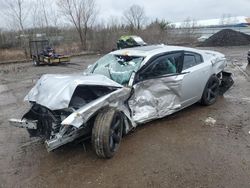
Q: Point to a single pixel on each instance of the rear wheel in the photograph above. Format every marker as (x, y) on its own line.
(211, 91)
(107, 133)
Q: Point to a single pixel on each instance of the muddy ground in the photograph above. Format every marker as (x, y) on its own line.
(182, 150)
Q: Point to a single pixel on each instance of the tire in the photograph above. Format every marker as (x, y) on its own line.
(107, 133)
(211, 91)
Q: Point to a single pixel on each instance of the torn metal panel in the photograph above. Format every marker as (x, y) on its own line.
(55, 91)
(82, 115)
(156, 98)
(62, 138)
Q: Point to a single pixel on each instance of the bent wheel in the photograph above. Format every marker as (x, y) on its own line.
(107, 133)
(211, 91)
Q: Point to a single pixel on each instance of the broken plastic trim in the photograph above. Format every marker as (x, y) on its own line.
(226, 82)
(29, 124)
(82, 115)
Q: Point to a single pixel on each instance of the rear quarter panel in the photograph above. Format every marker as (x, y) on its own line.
(195, 81)
(218, 61)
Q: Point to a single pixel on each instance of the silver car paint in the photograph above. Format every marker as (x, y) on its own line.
(115, 99)
(151, 99)
(156, 98)
(55, 91)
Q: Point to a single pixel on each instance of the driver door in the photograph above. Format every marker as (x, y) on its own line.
(157, 88)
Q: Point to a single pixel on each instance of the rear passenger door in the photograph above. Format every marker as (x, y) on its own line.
(194, 81)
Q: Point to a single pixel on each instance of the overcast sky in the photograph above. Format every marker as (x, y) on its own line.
(179, 10)
(174, 10)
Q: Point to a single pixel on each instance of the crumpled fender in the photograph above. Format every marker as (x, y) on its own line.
(55, 91)
(115, 99)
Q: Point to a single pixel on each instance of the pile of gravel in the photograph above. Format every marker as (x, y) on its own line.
(227, 37)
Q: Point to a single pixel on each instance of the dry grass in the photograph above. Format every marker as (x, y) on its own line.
(105, 41)
(18, 54)
(11, 54)
(68, 49)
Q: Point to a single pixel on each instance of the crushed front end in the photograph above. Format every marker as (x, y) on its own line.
(63, 107)
(46, 124)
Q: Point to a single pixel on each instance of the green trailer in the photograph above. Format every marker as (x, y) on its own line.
(129, 41)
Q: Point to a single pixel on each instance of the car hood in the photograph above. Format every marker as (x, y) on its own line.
(55, 91)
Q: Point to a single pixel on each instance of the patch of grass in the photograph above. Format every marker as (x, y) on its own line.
(11, 54)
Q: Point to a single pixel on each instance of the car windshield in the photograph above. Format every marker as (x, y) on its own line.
(118, 68)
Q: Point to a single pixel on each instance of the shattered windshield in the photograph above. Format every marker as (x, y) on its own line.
(118, 68)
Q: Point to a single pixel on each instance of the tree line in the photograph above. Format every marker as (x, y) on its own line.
(78, 21)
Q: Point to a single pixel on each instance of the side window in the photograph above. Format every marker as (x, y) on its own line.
(198, 58)
(164, 65)
(191, 60)
(188, 61)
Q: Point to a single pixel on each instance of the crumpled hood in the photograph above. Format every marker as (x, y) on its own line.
(55, 91)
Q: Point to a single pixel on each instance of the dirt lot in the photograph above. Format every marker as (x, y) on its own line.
(181, 150)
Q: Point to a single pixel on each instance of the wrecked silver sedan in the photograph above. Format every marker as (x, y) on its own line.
(123, 89)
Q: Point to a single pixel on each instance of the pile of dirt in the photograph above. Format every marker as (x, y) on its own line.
(227, 37)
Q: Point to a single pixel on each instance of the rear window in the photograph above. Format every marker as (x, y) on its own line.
(198, 58)
(191, 59)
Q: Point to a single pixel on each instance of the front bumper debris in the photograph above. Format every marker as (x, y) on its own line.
(226, 82)
(63, 138)
(23, 123)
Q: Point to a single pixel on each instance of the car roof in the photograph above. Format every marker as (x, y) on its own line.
(153, 50)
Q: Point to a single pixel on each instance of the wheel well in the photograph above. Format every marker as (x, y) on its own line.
(208, 80)
(126, 121)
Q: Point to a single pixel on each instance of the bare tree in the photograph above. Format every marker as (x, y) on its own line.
(17, 11)
(45, 16)
(135, 17)
(82, 14)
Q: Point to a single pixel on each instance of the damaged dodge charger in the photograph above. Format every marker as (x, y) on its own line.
(123, 89)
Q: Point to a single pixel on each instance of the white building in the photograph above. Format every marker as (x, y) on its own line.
(206, 28)
(239, 21)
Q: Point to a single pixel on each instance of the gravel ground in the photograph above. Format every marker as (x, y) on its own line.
(186, 149)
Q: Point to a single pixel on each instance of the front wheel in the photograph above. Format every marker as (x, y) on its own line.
(107, 133)
(211, 91)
